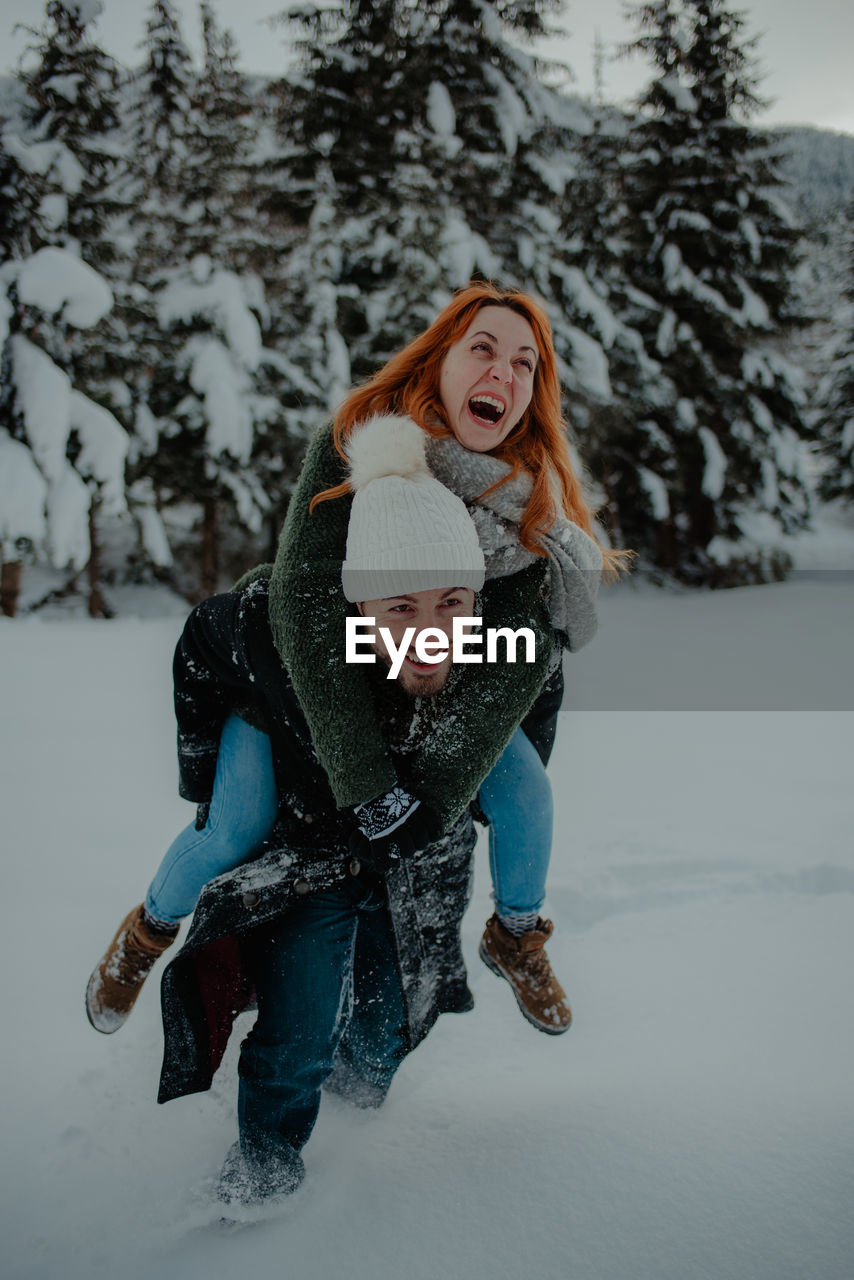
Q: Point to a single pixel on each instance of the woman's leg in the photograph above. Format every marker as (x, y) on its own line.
(540, 724)
(516, 799)
(242, 813)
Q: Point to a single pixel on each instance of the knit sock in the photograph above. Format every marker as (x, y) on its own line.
(159, 926)
(519, 924)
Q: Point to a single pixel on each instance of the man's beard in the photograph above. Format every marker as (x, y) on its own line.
(426, 686)
(423, 686)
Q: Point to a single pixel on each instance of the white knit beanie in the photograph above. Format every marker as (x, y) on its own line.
(407, 531)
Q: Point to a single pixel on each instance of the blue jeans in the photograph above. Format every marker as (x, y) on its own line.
(242, 813)
(307, 966)
(516, 799)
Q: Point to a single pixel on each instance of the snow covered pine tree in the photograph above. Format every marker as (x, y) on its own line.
(719, 479)
(836, 412)
(52, 387)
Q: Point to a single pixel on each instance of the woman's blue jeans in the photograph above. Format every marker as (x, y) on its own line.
(307, 966)
(516, 799)
(242, 813)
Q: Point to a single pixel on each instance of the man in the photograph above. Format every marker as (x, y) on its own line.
(325, 914)
(338, 903)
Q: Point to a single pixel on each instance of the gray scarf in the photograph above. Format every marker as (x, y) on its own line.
(575, 561)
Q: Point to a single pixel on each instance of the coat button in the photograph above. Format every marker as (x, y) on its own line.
(301, 887)
(251, 898)
(308, 819)
(354, 866)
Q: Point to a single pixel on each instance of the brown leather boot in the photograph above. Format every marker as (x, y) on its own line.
(524, 964)
(117, 979)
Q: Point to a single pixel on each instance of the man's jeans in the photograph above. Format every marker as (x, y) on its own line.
(329, 996)
(516, 799)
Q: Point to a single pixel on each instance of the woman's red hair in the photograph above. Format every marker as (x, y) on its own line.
(537, 445)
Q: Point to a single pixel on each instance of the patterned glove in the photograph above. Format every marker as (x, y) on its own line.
(395, 826)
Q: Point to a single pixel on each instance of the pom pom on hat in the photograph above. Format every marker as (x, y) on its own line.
(386, 445)
(407, 531)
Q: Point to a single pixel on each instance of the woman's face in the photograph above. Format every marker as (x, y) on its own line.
(487, 378)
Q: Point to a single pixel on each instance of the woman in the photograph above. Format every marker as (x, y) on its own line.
(482, 382)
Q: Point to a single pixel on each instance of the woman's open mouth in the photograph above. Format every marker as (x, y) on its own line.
(487, 411)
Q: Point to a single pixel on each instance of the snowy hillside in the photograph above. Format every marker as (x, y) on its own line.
(820, 168)
(697, 1123)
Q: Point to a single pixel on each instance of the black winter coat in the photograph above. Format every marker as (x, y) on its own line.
(224, 660)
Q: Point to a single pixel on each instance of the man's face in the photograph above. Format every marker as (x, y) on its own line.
(434, 609)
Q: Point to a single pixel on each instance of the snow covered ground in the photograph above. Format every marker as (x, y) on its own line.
(696, 1122)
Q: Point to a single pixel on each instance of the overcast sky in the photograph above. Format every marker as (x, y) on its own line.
(806, 47)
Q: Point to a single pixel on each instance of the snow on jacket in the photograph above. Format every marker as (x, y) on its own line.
(225, 657)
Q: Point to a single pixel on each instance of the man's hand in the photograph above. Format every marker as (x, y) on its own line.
(395, 826)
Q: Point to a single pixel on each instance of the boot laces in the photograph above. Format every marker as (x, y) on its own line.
(535, 965)
(131, 962)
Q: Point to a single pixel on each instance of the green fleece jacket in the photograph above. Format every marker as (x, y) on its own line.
(480, 708)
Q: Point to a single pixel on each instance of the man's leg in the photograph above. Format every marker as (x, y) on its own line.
(376, 1037)
(302, 968)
